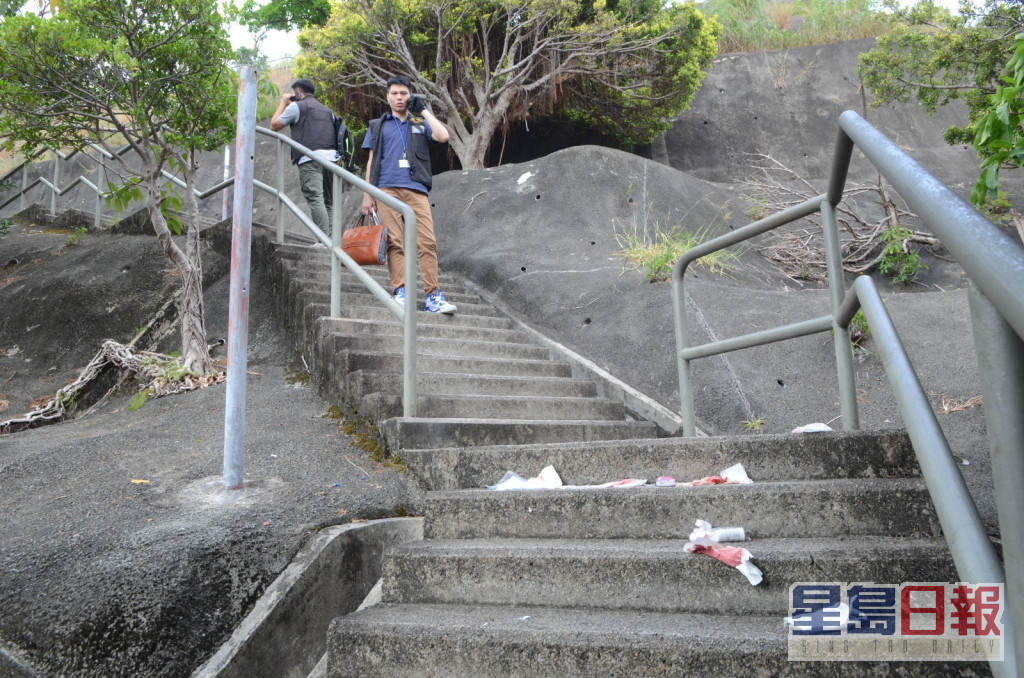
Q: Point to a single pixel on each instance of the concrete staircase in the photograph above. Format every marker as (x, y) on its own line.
(593, 582)
(479, 380)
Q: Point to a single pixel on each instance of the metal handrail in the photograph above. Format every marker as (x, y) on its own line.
(339, 258)
(995, 264)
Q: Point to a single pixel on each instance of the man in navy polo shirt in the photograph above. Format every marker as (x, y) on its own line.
(399, 164)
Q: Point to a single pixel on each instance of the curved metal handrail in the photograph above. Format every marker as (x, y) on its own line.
(995, 263)
(339, 258)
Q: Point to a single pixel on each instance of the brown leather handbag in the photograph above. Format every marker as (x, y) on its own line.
(366, 242)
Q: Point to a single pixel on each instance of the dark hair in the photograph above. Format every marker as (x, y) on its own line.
(306, 85)
(399, 80)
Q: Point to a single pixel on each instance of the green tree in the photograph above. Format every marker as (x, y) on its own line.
(997, 132)
(284, 15)
(622, 67)
(149, 73)
(937, 57)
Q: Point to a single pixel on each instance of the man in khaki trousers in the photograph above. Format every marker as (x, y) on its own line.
(400, 165)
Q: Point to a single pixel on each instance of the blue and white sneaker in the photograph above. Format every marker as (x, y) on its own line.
(400, 296)
(436, 303)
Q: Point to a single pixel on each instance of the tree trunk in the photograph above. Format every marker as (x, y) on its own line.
(471, 148)
(195, 349)
(195, 353)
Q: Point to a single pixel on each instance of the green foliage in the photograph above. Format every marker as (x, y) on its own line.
(760, 25)
(75, 236)
(898, 260)
(138, 400)
(973, 56)
(655, 250)
(998, 209)
(859, 329)
(997, 132)
(5, 226)
(622, 68)
(284, 15)
(269, 96)
(758, 207)
(753, 424)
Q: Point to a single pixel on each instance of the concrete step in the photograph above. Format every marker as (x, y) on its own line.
(348, 362)
(317, 266)
(435, 346)
(322, 284)
(436, 330)
(381, 406)
(469, 641)
(378, 312)
(898, 507)
(765, 457)
(316, 296)
(644, 574)
(363, 382)
(403, 433)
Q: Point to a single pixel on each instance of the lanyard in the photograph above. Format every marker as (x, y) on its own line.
(401, 136)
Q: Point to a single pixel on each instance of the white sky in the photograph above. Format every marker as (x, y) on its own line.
(277, 45)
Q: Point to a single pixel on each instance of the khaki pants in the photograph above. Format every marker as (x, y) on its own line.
(426, 244)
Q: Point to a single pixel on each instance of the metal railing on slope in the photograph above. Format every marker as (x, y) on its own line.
(994, 262)
(333, 242)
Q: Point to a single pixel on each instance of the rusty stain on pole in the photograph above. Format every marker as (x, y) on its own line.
(238, 307)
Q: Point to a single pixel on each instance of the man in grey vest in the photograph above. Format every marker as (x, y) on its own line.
(312, 126)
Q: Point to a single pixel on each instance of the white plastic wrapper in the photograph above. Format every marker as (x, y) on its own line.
(704, 530)
(547, 479)
(816, 427)
(702, 541)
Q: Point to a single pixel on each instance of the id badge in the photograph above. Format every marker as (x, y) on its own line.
(403, 163)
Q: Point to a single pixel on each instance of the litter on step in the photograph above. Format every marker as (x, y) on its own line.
(734, 475)
(548, 479)
(701, 541)
(816, 427)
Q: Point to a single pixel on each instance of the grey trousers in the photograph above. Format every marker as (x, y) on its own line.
(317, 187)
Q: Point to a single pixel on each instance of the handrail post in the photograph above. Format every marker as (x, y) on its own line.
(840, 334)
(686, 412)
(227, 175)
(24, 184)
(238, 304)
(335, 242)
(409, 316)
(56, 184)
(101, 180)
(1000, 355)
(280, 190)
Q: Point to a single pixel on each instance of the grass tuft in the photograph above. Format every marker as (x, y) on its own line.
(654, 251)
